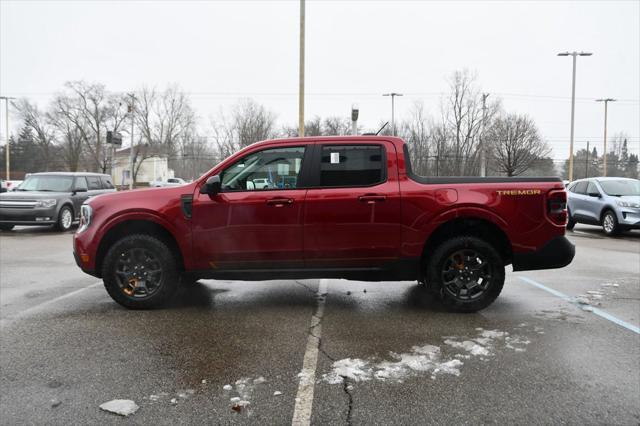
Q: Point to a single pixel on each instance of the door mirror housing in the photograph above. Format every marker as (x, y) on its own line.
(594, 194)
(76, 190)
(212, 186)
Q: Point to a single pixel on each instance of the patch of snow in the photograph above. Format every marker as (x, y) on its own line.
(154, 398)
(469, 346)
(259, 380)
(173, 401)
(204, 381)
(122, 407)
(594, 292)
(277, 393)
(235, 399)
(227, 387)
(583, 300)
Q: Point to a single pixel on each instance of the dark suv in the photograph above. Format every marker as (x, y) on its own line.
(50, 199)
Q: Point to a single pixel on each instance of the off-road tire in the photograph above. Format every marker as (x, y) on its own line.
(490, 255)
(168, 283)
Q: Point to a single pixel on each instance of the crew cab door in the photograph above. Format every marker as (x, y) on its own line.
(352, 209)
(249, 226)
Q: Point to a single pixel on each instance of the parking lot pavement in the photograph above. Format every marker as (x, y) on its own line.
(386, 352)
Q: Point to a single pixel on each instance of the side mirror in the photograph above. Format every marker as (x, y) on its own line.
(80, 190)
(594, 194)
(212, 186)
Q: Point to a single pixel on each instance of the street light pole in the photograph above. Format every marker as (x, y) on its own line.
(606, 102)
(7, 146)
(301, 71)
(573, 104)
(393, 110)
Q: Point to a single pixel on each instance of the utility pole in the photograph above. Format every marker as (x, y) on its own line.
(131, 109)
(393, 110)
(301, 70)
(586, 164)
(355, 111)
(7, 146)
(483, 149)
(573, 104)
(606, 102)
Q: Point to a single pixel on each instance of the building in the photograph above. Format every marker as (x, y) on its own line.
(152, 169)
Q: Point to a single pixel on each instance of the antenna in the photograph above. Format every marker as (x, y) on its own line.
(382, 128)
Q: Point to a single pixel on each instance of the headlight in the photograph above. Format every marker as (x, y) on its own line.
(85, 217)
(627, 204)
(49, 202)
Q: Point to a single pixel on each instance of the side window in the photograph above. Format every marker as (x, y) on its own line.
(277, 168)
(580, 187)
(106, 182)
(94, 183)
(592, 188)
(352, 165)
(81, 183)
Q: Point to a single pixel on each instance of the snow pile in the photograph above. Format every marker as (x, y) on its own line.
(421, 359)
(427, 359)
(123, 407)
(243, 390)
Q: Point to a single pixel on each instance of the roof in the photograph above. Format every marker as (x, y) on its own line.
(68, 174)
(320, 139)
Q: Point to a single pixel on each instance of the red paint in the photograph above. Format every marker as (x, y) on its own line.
(324, 227)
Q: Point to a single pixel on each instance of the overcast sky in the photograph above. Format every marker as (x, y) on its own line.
(220, 51)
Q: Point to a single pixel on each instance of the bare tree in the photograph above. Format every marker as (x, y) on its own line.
(516, 144)
(43, 131)
(416, 133)
(336, 126)
(249, 122)
(462, 117)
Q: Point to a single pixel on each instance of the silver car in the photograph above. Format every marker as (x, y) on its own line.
(50, 199)
(611, 202)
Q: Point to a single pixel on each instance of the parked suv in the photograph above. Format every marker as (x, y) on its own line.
(613, 203)
(50, 199)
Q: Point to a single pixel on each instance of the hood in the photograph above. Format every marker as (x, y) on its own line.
(140, 197)
(31, 195)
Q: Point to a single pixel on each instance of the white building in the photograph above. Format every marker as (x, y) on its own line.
(152, 169)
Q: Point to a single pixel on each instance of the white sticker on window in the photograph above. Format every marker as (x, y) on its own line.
(335, 158)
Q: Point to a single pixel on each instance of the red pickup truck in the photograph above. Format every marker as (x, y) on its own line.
(326, 207)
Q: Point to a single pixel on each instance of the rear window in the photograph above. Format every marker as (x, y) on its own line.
(352, 165)
(81, 183)
(106, 182)
(94, 183)
(580, 187)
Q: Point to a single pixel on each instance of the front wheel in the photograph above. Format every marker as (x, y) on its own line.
(140, 272)
(468, 272)
(610, 223)
(65, 219)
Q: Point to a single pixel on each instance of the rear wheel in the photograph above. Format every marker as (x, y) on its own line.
(468, 272)
(610, 223)
(65, 219)
(139, 272)
(6, 227)
(570, 221)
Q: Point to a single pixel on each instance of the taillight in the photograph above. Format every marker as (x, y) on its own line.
(557, 206)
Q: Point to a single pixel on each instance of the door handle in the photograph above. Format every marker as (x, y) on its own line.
(279, 202)
(371, 198)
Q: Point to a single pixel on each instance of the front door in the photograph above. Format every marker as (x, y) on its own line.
(255, 222)
(352, 212)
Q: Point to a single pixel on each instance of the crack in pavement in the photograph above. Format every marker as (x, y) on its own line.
(347, 390)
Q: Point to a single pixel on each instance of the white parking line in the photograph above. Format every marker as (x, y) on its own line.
(587, 308)
(304, 397)
(37, 307)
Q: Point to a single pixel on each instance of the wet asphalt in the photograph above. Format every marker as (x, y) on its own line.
(66, 348)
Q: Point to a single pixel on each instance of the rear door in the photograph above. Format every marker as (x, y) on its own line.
(352, 209)
(81, 194)
(593, 204)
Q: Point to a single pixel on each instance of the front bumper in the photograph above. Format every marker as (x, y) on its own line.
(557, 253)
(629, 217)
(33, 216)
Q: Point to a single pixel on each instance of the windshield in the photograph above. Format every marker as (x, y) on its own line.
(620, 187)
(47, 183)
